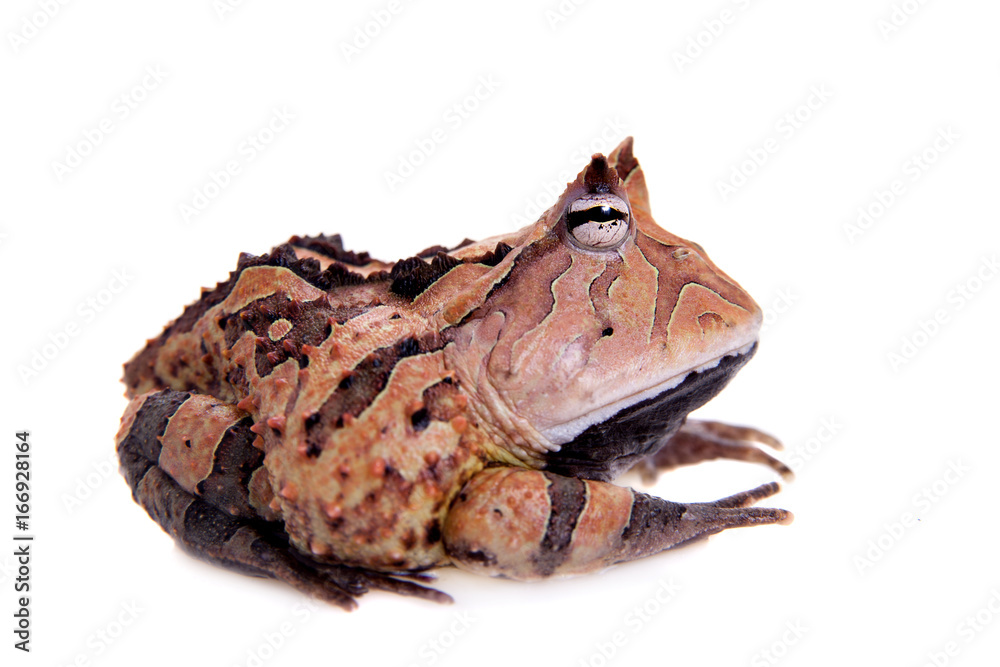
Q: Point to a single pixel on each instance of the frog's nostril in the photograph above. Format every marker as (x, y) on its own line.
(712, 322)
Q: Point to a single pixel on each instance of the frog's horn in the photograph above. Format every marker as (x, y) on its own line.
(599, 176)
(630, 173)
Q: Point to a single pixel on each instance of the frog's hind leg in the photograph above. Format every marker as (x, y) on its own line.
(529, 524)
(192, 465)
(698, 441)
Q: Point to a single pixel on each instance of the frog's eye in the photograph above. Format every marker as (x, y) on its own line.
(598, 221)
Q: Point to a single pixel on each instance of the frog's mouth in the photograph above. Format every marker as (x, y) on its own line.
(619, 435)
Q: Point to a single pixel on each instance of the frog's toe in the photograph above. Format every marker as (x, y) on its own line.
(698, 441)
(747, 498)
(359, 581)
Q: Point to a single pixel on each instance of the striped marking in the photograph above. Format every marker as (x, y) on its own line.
(632, 305)
(148, 425)
(204, 446)
(675, 281)
(192, 437)
(567, 499)
(187, 354)
(208, 531)
(525, 524)
(361, 387)
(694, 302)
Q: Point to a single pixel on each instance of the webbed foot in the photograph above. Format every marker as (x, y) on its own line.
(698, 441)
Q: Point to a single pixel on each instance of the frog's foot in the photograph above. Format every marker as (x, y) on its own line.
(190, 462)
(528, 524)
(698, 441)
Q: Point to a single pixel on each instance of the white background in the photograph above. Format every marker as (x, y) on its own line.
(872, 571)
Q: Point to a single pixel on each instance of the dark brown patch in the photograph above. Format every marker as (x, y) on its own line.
(481, 556)
(567, 497)
(432, 534)
(331, 246)
(206, 527)
(338, 275)
(366, 381)
(235, 461)
(643, 534)
(148, 426)
(410, 277)
(310, 326)
(493, 257)
(599, 176)
(420, 419)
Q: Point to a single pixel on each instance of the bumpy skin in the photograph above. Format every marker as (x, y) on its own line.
(338, 422)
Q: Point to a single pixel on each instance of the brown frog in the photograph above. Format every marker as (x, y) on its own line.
(342, 423)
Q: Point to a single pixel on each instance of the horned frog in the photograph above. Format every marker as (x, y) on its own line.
(342, 424)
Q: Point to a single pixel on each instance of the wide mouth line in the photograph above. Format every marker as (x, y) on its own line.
(567, 430)
(675, 380)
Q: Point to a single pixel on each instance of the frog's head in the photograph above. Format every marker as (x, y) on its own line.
(599, 331)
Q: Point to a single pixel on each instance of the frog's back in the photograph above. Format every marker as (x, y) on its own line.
(366, 432)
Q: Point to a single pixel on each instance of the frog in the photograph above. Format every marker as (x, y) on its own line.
(345, 424)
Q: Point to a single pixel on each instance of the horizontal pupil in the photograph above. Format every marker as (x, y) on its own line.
(594, 214)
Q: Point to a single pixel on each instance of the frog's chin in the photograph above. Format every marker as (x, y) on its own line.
(567, 432)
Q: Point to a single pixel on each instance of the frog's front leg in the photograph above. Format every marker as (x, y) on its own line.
(698, 441)
(529, 524)
(191, 463)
